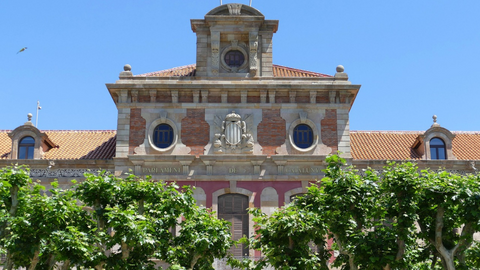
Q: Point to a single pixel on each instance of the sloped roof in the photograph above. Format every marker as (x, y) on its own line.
(396, 145)
(278, 71)
(72, 144)
(365, 145)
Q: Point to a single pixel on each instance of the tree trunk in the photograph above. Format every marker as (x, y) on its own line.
(66, 265)
(35, 260)
(446, 254)
(51, 261)
(99, 266)
(141, 206)
(321, 250)
(125, 251)
(351, 258)
(8, 265)
(449, 263)
(14, 195)
(194, 261)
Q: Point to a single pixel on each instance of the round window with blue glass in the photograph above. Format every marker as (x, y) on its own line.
(303, 136)
(163, 136)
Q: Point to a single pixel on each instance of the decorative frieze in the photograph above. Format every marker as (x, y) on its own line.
(313, 97)
(174, 94)
(215, 46)
(244, 94)
(271, 95)
(253, 45)
(204, 96)
(123, 96)
(196, 96)
(209, 164)
(263, 96)
(292, 95)
(332, 96)
(134, 96)
(153, 96)
(62, 172)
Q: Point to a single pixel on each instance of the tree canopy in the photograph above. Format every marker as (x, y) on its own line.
(398, 218)
(106, 222)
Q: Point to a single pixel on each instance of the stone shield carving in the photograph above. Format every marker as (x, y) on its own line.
(234, 137)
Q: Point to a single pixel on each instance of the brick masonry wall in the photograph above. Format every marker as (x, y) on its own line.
(329, 129)
(185, 97)
(254, 99)
(271, 132)
(234, 99)
(137, 129)
(195, 131)
(164, 97)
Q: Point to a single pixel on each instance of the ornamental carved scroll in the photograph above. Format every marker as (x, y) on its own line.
(234, 137)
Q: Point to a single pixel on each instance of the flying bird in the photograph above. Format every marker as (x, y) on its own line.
(22, 49)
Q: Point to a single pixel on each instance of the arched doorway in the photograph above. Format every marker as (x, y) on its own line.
(233, 208)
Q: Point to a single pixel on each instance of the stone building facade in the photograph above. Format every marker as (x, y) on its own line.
(244, 131)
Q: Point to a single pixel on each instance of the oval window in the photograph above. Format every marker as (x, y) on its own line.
(303, 136)
(163, 136)
(234, 58)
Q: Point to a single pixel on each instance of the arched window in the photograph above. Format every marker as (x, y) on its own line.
(233, 208)
(303, 136)
(437, 149)
(163, 136)
(26, 148)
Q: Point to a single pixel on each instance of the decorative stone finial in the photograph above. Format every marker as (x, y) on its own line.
(435, 124)
(341, 75)
(127, 71)
(29, 122)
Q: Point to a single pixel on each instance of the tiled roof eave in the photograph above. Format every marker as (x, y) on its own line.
(189, 71)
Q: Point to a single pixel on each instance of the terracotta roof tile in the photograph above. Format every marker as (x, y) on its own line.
(5, 144)
(396, 145)
(365, 145)
(72, 144)
(278, 71)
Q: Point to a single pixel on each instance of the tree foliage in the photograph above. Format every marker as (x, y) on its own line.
(106, 222)
(401, 218)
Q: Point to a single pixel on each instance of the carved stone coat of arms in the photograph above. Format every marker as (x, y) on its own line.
(234, 137)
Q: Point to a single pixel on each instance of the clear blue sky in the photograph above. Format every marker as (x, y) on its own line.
(413, 58)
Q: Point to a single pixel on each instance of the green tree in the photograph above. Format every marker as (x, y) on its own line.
(134, 218)
(202, 238)
(293, 237)
(12, 187)
(449, 213)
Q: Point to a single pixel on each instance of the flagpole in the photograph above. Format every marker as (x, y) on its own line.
(38, 108)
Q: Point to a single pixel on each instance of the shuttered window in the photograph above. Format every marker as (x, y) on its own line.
(233, 208)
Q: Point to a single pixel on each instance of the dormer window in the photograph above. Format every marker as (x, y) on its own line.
(437, 149)
(434, 144)
(28, 142)
(26, 148)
